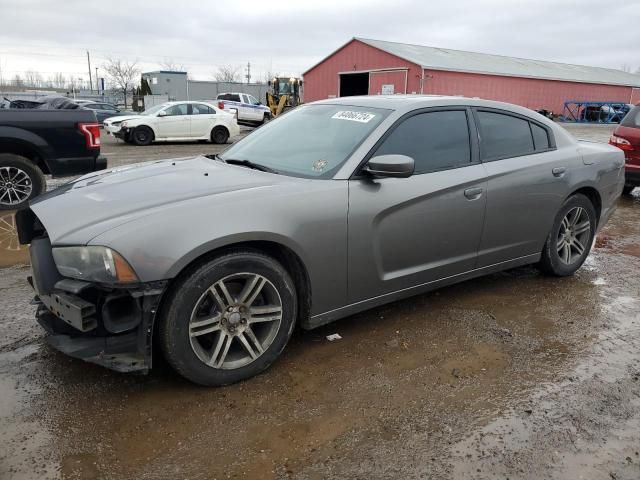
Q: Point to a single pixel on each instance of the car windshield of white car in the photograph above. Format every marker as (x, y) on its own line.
(311, 141)
(152, 110)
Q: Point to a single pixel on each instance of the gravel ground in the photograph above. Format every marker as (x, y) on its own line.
(514, 375)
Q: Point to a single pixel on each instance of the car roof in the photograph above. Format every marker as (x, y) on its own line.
(412, 102)
(180, 102)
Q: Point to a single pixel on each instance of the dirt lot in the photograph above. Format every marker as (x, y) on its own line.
(514, 375)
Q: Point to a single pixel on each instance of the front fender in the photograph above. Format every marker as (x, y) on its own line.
(234, 239)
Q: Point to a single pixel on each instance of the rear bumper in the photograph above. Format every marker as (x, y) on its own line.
(632, 175)
(63, 167)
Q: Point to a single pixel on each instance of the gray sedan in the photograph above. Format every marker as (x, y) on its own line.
(337, 207)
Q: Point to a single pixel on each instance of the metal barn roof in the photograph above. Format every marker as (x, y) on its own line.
(461, 61)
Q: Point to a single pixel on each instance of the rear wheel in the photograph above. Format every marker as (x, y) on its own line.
(627, 189)
(228, 319)
(219, 135)
(571, 237)
(142, 136)
(20, 181)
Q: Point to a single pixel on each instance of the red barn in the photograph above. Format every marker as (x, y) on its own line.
(373, 67)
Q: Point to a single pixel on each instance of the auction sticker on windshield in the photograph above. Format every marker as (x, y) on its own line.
(362, 117)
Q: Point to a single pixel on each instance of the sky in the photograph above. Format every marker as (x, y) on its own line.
(288, 37)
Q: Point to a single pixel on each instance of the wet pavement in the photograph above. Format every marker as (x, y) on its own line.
(514, 375)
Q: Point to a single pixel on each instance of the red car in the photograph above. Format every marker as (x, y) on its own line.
(626, 136)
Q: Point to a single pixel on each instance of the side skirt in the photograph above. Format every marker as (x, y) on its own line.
(330, 316)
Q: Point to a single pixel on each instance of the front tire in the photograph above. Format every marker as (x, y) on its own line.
(228, 319)
(142, 136)
(20, 181)
(571, 237)
(628, 189)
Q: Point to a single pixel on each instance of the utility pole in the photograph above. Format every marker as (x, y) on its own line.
(97, 82)
(89, 65)
(248, 75)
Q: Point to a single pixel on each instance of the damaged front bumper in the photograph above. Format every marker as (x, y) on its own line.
(107, 326)
(111, 325)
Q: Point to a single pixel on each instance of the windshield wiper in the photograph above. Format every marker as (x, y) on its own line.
(250, 164)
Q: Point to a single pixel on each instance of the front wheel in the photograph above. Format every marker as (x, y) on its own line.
(228, 319)
(20, 181)
(571, 237)
(142, 136)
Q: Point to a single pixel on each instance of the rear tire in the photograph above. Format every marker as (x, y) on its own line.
(627, 189)
(571, 237)
(142, 136)
(219, 135)
(20, 181)
(228, 318)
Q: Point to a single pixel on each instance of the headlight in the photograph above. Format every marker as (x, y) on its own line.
(122, 124)
(93, 264)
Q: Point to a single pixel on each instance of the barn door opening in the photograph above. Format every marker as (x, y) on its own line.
(354, 84)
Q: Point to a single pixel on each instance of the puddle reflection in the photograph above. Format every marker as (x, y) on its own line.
(11, 252)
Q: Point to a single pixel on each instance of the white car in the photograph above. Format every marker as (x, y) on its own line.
(249, 109)
(175, 121)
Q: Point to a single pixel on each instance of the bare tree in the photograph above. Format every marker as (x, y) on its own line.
(32, 79)
(227, 73)
(172, 66)
(122, 74)
(17, 81)
(58, 80)
(269, 76)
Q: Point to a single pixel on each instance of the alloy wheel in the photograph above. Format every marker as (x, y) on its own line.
(235, 321)
(15, 186)
(573, 235)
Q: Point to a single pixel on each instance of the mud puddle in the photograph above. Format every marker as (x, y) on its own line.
(11, 252)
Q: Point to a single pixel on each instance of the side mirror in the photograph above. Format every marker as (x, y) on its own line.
(163, 113)
(397, 166)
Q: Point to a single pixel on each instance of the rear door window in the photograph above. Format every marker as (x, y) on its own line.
(503, 136)
(435, 140)
(201, 109)
(540, 137)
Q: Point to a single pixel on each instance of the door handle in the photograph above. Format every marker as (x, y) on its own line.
(558, 171)
(473, 193)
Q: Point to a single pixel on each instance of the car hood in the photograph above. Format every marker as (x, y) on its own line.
(121, 117)
(82, 209)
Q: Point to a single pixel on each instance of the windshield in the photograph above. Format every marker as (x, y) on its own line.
(312, 141)
(153, 110)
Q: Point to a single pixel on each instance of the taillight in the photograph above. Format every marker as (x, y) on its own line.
(620, 142)
(221, 105)
(91, 132)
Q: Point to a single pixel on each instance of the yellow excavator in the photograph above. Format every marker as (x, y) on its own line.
(283, 94)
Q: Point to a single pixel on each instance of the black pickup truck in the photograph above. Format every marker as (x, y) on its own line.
(34, 142)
